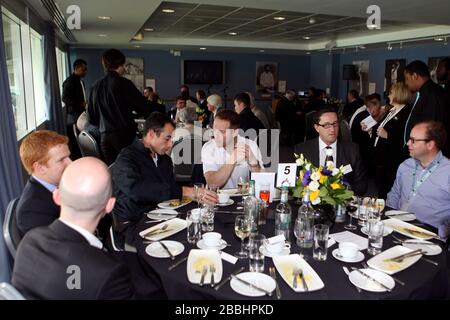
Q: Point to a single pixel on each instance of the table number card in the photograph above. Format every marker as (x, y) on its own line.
(287, 174)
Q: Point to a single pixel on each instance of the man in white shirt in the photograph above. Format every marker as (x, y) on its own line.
(229, 156)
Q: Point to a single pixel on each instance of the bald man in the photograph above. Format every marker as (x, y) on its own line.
(65, 260)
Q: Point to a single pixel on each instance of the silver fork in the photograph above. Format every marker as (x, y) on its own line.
(202, 279)
(365, 265)
(294, 281)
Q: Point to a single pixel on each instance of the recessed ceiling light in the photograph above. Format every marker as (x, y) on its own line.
(104, 17)
(362, 47)
(279, 18)
(149, 29)
(168, 10)
(306, 37)
(232, 33)
(439, 39)
(202, 48)
(102, 35)
(262, 50)
(308, 52)
(312, 20)
(137, 46)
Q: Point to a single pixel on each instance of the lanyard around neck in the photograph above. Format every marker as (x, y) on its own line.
(416, 184)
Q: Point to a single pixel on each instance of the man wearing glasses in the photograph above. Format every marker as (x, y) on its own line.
(422, 185)
(327, 148)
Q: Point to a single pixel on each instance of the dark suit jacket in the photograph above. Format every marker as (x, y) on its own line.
(73, 97)
(36, 207)
(347, 153)
(44, 256)
(248, 120)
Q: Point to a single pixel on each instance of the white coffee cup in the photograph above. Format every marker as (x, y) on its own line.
(223, 197)
(277, 246)
(212, 239)
(348, 250)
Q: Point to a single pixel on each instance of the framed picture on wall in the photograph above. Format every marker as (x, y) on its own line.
(394, 72)
(433, 63)
(361, 84)
(134, 70)
(266, 77)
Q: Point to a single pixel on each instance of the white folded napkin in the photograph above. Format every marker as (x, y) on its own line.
(228, 257)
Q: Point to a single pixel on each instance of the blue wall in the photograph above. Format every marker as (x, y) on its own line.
(166, 69)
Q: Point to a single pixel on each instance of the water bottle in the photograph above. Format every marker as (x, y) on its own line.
(194, 229)
(340, 213)
(251, 206)
(283, 213)
(306, 222)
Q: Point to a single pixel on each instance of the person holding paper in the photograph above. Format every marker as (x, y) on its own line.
(388, 140)
(229, 156)
(327, 148)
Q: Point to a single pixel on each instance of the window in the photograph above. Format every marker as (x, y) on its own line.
(25, 63)
(61, 63)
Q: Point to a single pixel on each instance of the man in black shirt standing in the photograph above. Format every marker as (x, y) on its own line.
(111, 102)
(74, 98)
(431, 101)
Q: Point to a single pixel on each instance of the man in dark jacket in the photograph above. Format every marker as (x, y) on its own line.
(74, 98)
(143, 176)
(111, 102)
(247, 118)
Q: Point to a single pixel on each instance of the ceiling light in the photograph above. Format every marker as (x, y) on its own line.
(389, 46)
(137, 46)
(262, 50)
(202, 48)
(312, 20)
(232, 33)
(371, 26)
(306, 37)
(279, 18)
(104, 17)
(102, 35)
(308, 52)
(439, 39)
(149, 29)
(362, 47)
(168, 10)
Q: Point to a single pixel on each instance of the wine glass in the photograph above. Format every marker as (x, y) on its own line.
(198, 187)
(242, 228)
(352, 207)
(301, 232)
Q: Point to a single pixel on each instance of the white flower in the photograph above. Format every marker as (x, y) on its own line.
(300, 162)
(313, 186)
(308, 166)
(334, 172)
(315, 176)
(315, 201)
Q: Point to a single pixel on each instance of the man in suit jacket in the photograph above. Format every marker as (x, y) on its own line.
(203, 111)
(247, 120)
(44, 155)
(327, 125)
(65, 260)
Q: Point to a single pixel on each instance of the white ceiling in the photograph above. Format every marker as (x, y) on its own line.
(207, 24)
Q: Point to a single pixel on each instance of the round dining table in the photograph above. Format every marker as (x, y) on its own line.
(422, 280)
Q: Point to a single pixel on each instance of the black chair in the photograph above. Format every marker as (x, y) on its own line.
(88, 145)
(310, 132)
(11, 232)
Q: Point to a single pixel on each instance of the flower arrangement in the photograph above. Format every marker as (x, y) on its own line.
(326, 184)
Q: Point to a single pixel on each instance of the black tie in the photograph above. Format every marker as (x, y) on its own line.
(327, 157)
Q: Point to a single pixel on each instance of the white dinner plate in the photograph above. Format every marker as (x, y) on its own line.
(228, 203)
(162, 214)
(358, 258)
(169, 203)
(202, 245)
(256, 278)
(284, 252)
(386, 231)
(400, 215)
(369, 285)
(390, 267)
(174, 225)
(285, 266)
(197, 259)
(232, 192)
(404, 227)
(156, 250)
(430, 248)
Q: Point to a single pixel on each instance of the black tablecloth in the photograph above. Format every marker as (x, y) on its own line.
(423, 280)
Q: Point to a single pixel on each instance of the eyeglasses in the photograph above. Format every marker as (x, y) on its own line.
(414, 140)
(329, 125)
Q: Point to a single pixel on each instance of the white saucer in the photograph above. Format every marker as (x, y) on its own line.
(256, 278)
(358, 258)
(201, 244)
(228, 203)
(156, 250)
(386, 231)
(284, 252)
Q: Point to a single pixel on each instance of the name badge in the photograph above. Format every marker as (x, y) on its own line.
(348, 169)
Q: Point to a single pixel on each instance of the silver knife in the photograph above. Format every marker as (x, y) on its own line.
(405, 255)
(172, 257)
(228, 279)
(204, 272)
(305, 286)
(365, 275)
(251, 285)
(177, 263)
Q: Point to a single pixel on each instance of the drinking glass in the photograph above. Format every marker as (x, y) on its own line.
(375, 236)
(303, 232)
(352, 209)
(256, 257)
(263, 212)
(242, 228)
(207, 219)
(198, 188)
(243, 186)
(264, 192)
(320, 242)
(194, 232)
(363, 210)
(214, 188)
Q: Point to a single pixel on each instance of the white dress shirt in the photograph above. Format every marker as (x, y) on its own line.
(93, 240)
(323, 152)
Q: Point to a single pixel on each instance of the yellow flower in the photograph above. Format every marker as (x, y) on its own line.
(322, 179)
(314, 195)
(335, 186)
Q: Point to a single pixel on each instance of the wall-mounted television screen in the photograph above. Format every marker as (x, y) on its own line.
(202, 72)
